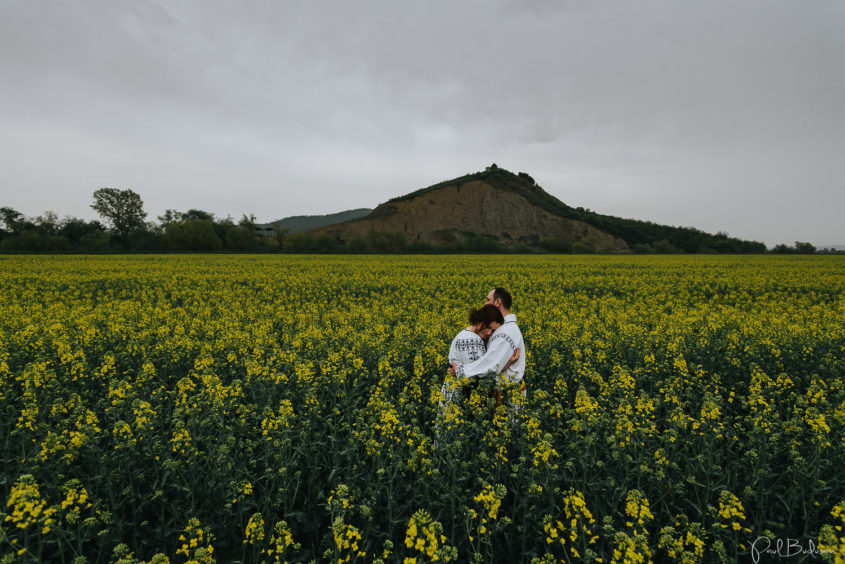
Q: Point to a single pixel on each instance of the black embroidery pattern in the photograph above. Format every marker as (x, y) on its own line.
(505, 337)
(473, 348)
(466, 344)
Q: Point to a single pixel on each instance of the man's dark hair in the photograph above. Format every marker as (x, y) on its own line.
(486, 314)
(504, 295)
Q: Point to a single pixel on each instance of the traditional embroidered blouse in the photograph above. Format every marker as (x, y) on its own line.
(466, 347)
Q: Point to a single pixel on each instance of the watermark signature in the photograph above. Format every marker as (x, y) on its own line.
(785, 548)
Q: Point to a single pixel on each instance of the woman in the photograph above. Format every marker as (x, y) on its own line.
(469, 345)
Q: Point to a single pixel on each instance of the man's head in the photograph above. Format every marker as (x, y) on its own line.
(500, 298)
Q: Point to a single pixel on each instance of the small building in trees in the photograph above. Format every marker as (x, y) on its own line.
(265, 230)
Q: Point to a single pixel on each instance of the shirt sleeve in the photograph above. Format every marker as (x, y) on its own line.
(453, 353)
(499, 351)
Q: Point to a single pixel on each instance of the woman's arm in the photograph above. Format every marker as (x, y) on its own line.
(514, 357)
(500, 348)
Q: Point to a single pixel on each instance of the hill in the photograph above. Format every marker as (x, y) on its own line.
(494, 206)
(508, 210)
(299, 223)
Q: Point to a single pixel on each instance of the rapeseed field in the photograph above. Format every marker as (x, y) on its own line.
(286, 408)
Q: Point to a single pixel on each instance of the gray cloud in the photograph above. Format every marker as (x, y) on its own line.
(719, 115)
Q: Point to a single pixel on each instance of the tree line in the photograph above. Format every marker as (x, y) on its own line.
(123, 227)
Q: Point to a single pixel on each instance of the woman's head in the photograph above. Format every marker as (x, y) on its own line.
(485, 320)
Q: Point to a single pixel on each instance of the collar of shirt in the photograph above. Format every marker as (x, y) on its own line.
(510, 318)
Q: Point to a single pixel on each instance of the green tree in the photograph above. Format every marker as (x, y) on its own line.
(385, 241)
(554, 245)
(474, 243)
(201, 215)
(281, 234)
(169, 216)
(122, 209)
(803, 248)
(238, 238)
(12, 220)
(248, 222)
(325, 243)
(664, 247)
(94, 242)
(48, 222)
(33, 240)
(587, 245)
(357, 245)
(299, 243)
(74, 229)
(191, 235)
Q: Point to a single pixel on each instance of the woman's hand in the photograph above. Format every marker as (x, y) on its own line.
(514, 357)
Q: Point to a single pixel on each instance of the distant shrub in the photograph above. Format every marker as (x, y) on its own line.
(34, 241)
(479, 244)
(664, 247)
(643, 249)
(385, 241)
(553, 245)
(422, 246)
(95, 242)
(191, 235)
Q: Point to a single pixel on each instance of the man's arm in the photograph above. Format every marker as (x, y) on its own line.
(499, 351)
(453, 364)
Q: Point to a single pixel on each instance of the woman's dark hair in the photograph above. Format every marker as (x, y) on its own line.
(486, 314)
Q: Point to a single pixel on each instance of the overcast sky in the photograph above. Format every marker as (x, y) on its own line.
(721, 115)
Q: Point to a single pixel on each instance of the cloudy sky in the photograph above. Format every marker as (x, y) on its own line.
(721, 115)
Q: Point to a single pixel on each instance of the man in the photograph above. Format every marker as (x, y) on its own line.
(501, 346)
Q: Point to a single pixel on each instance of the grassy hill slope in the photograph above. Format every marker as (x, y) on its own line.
(299, 223)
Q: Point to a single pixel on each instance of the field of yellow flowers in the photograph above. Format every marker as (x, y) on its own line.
(261, 408)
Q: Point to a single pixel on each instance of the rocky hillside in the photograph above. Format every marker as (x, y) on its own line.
(511, 210)
(495, 203)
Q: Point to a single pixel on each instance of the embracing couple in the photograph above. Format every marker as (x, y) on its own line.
(491, 347)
